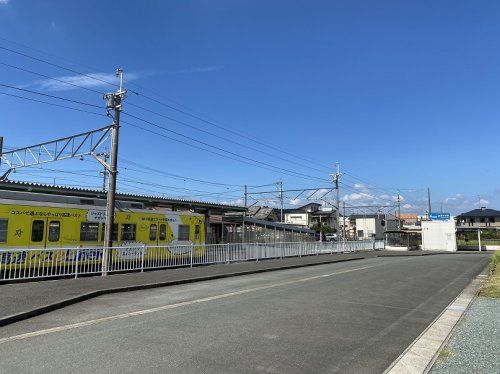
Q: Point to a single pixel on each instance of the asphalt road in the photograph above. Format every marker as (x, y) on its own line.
(351, 317)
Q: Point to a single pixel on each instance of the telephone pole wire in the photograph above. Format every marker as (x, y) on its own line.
(113, 102)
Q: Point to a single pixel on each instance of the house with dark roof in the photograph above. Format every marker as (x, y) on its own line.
(479, 218)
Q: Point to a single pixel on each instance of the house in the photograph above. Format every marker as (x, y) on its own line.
(373, 226)
(310, 214)
(410, 220)
(263, 213)
(479, 218)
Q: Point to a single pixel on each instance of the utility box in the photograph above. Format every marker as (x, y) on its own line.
(439, 236)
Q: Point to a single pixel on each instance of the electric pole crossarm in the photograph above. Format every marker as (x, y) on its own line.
(80, 145)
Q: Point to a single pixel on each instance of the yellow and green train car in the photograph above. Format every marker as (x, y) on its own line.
(38, 221)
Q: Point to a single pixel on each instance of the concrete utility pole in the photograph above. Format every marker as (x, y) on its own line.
(1, 149)
(399, 212)
(104, 172)
(335, 178)
(429, 201)
(245, 195)
(113, 102)
(343, 216)
(280, 187)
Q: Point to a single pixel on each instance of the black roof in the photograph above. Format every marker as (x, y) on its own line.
(483, 212)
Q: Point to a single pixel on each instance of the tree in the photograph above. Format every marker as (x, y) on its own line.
(318, 227)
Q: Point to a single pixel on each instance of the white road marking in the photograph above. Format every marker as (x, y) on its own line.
(171, 306)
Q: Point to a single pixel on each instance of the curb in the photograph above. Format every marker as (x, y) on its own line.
(419, 356)
(93, 294)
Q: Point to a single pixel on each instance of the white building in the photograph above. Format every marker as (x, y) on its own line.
(439, 236)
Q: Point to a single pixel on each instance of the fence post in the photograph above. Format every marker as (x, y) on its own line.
(142, 257)
(227, 254)
(77, 259)
(191, 257)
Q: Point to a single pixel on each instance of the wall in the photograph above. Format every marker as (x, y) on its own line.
(439, 236)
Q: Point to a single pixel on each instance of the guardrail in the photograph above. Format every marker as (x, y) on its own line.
(56, 262)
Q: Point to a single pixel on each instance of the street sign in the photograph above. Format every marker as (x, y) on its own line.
(440, 216)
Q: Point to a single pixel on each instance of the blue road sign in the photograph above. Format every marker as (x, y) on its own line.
(440, 216)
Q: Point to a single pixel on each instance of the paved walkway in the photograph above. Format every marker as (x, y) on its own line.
(475, 344)
(25, 300)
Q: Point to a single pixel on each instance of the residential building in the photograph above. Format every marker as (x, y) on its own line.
(373, 226)
(310, 214)
(479, 218)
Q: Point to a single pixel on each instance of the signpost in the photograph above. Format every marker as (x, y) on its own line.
(439, 216)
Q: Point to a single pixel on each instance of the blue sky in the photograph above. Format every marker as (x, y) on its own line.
(403, 94)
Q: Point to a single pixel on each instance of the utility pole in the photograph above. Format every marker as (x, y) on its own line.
(429, 201)
(245, 195)
(343, 216)
(399, 212)
(113, 102)
(104, 172)
(280, 186)
(1, 149)
(335, 178)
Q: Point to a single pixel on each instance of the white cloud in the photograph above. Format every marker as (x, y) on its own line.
(72, 82)
(407, 206)
(4, 2)
(199, 69)
(295, 201)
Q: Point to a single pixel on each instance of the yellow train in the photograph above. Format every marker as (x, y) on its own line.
(42, 221)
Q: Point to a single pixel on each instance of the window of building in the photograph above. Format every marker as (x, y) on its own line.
(128, 231)
(153, 230)
(183, 232)
(54, 231)
(37, 228)
(163, 232)
(4, 224)
(492, 219)
(360, 233)
(89, 231)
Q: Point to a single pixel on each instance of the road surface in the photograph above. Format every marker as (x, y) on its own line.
(351, 317)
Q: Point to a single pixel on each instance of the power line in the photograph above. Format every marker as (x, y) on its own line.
(51, 96)
(153, 100)
(294, 173)
(51, 78)
(222, 137)
(52, 104)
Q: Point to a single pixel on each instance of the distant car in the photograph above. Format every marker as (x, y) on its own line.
(331, 237)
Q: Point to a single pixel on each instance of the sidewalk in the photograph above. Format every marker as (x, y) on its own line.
(475, 343)
(474, 346)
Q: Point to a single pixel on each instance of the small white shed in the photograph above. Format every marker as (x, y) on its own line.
(439, 236)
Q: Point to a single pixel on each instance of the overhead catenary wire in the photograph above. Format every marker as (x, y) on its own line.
(279, 149)
(239, 157)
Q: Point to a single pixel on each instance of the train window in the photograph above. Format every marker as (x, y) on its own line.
(4, 223)
(153, 230)
(54, 231)
(197, 232)
(128, 231)
(114, 234)
(37, 230)
(163, 232)
(183, 232)
(89, 231)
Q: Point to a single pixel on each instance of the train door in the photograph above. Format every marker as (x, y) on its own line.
(45, 232)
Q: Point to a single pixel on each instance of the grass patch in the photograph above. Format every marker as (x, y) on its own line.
(492, 286)
(444, 353)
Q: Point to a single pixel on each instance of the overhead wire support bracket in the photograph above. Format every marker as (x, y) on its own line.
(78, 145)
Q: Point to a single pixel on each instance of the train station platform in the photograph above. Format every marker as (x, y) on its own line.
(28, 299)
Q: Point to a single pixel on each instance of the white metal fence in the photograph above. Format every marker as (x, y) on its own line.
(55, 262)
